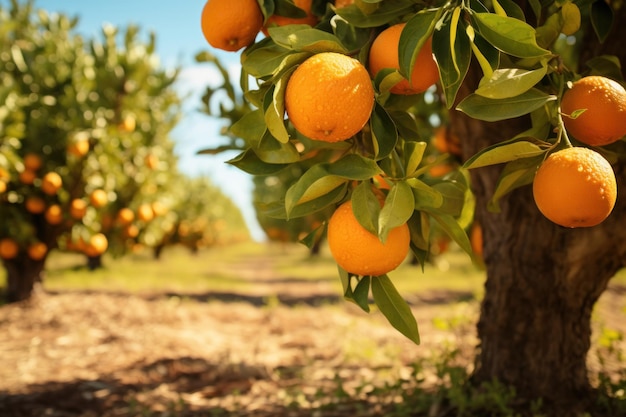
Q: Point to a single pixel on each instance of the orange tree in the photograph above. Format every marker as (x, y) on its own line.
(67, 143)
(505, 71)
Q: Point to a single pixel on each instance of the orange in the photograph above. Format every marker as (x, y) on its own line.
(277, 20)
(145, 213)
(32, 161)
(604, 120)
(28, 176)
(446, 142)
(98, 198)
(381, 183)
(575, 187)
(151, 161)
(97, 245)
(358, 251)
(339, 4)
(329, 97)
(231, 24)
(125, 216)
(384, 54)
(78, 147)
(54, 214)
(51, 183)
(3, 186)
(8, 248)
(37, 251)
(131, 231)
(158, 209)
(78, 208)
(35, 205)
(476, 239)
(128, 124)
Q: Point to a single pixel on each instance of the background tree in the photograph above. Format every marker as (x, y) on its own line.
(503, 70)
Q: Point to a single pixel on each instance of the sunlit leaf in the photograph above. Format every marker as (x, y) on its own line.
(509, 35)
(249, 162)
(510, 82)
(514, 175)
(491, 110)
(504, 152)
(304, 38)
(397, 210)
(394, 307)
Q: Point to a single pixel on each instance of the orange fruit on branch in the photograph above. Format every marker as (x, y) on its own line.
(37, 251)
(78, 208)
(575, 187)
(54, 214)
(97, 245)
(358, 251)
(329, 97)
(8, 248)
(125, 216)
(604, 119)
(51, 183)
(277, 20)
(384, 54)
(231, 24)
(98, 198)
(32, 161)
(35, 205)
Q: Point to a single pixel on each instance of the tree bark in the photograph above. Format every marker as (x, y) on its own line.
(542, 280)
(23, 274)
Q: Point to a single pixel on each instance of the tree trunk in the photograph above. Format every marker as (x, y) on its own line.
(94, 262)
(542, 281)
(23, 274)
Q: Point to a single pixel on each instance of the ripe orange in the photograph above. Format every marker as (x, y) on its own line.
(35, 205)
(131, 231)
(97, 245)
(575, 187)
(37, 251)
(446, 142)
(384, 54)
(51, 183)
(125, 216)
(277, 20)
(128, 124)
(32, 161)
(343, 3)
(158, 209)
(329, 97)
(604, 120)
(78, 208)
(98, 198)
(54, 214)
(358, 251)
(145, 213)
(78, 147)
(3, 186)
(231, 24)
(8, 248)
(27, 176)
(151, 161)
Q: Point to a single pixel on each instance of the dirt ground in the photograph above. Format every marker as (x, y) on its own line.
(70, 354)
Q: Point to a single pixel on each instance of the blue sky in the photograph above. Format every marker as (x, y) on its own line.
(179, 38)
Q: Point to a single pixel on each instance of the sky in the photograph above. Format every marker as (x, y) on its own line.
(178, 39)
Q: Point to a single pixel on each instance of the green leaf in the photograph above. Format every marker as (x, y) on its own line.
(413, 153)
(514, 175)
(454, 195)
(321, 179)
(384, 132)
(277, 209)
(425, 196)
(394, 307)
(304, 38)
(504, 152)
(453, 229)
(601, 19)
(275, 110)
(361, 294)
(397, 210)
(386, 13)
(366, 207)
(606, 65)
(262, 59)
(419, 225)
(413, 36)
(512, 9)
(453, 63)
(274, 152)
(251, 126)
(510, 82)
(509, 35)
(249, 162)
(491, 110)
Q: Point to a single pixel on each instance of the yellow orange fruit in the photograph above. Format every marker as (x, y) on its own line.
(35, 205)
(151, 161)
(37, 251)
(98, 198)
(158, 208)
(604, 120)
(78, 147)
(145, 213)
(128, 123)
(51, 183)
(575, 187)
(358, 251)
(54, 214)
(446, 142)
(125, 216)
(3, 186)
(277, 20)
(78, 208)
(384, 54)
(8, 248)
(27, 176)
(32, 161)
(131, 231)
(329, 97)
(96, 245)
(231, 24)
